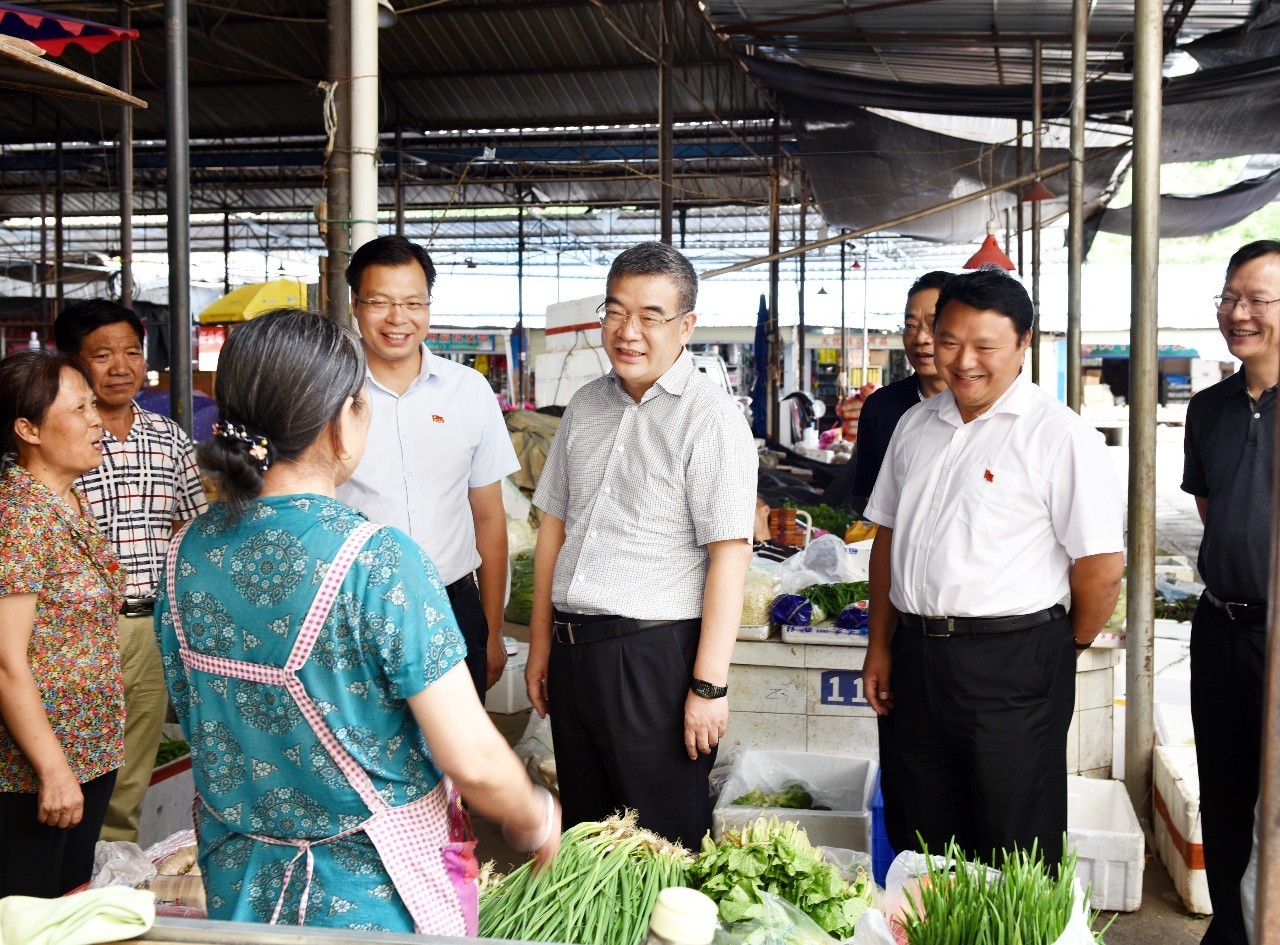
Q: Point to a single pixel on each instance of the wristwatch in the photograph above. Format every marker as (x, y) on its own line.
(700, 687)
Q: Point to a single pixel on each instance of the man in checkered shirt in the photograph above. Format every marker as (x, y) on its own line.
(648, 496)
(147, 482)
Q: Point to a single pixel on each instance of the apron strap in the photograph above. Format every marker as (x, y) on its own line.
(170, 571)
(319, 612)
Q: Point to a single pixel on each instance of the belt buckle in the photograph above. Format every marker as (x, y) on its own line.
(1230, 614)
(567, 627)
(949, 622)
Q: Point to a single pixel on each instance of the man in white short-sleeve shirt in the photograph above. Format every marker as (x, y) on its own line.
(438, 449)
(997, 502)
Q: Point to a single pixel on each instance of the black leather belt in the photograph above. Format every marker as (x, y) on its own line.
(138, 607)
(965, 626)
(1237, 610)
(591, 629)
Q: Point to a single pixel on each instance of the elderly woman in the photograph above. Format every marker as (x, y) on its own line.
(317, 670)
(61, 700)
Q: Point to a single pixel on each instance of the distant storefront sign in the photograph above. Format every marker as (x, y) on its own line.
(471, 341)
(1122, 351)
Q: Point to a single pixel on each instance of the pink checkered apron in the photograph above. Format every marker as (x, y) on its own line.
(427, 846)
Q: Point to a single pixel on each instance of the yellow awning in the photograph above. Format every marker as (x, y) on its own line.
(250, 301)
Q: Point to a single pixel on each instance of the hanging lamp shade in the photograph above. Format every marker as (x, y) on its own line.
(990, 253)
(1038, 191)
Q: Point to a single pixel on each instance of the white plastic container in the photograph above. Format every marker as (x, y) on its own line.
(1178, 838)
(682, 917)
(1104, 830)
(509, 694)
(835, 781)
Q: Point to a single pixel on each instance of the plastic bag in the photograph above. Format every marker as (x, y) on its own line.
(775, 922)
(757, 593)
(824, 561)
(537, 752)
(120, 863)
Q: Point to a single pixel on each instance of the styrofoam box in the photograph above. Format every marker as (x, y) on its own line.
(573, 323)
(827, 634)
(510, 694)
(837, 782)
(1104, 830)
(1178, 838)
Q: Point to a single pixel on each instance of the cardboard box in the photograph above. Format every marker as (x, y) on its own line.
(510, 694)
(840, 783)
(1178, 838)
(1104, 830)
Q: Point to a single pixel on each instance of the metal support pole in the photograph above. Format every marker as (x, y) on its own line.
(399, 178)
(666, 119)
(336, 225)
(520, 332)
(226, 252)
(1037, 119)
(1267, 924)
(178, 194)
(866, 306)
(774, 365)
(801, 352)
(1075, 203)
(1139, 719)
(126, 166)
(1018, 170)
(364, 121)
(843, 385)
(59, 244)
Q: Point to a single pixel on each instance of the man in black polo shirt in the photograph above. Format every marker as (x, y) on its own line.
(885, 407)
(1230, 438)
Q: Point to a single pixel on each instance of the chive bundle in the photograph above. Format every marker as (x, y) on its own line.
(599, 890)
(961, 903)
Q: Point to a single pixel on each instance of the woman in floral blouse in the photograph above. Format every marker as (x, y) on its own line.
(61, 703)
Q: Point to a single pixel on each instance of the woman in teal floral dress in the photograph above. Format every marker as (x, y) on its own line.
(61, 693)
(317, 670)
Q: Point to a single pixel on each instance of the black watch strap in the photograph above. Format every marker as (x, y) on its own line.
(700, 687)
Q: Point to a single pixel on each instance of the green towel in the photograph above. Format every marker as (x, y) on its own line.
(111, 914)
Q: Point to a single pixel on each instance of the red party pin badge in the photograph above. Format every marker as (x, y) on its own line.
(436, 418)
(986, 474)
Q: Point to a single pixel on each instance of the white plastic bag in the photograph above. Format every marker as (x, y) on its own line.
(120, 863)
(825, 561)
(537, 752)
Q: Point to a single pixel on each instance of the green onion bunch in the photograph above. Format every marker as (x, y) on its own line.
(962, 903)
(599, 890)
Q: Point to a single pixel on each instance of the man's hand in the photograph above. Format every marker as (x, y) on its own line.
(60, 800)
(535, 677)
(495, 658)
(704, 723)
(876, 670)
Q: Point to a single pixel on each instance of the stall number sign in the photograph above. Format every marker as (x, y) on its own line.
(842, 687)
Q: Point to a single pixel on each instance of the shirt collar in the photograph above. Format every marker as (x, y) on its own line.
(674, 380)
(133, 427)
(424, 370)
(1016, 400)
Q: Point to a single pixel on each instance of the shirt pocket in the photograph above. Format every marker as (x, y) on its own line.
(993, 499)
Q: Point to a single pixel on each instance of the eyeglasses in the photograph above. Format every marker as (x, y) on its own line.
(913, 328)
(383, 306)
(614, 319)
(1226, 304)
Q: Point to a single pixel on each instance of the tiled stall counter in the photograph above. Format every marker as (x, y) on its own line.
(808, 697)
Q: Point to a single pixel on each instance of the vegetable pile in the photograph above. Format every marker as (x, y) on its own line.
(773, 857)
(831, 599)
(599, 890)
(961, 903)
(835, 521)
(171, 749)
(793, 796)
(520, 605)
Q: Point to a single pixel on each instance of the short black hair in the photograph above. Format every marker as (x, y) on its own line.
(990, 290)
(1251, 251)
(82, 318)
(930, 280)
(389, 251)
(659, 259)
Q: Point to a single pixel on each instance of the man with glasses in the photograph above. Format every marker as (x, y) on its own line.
(885, 407)
(1228, 467)
(438, 449)
(648, 496)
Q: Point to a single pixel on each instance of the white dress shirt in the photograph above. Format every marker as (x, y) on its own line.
(642, 489)
(987, 516)
(426, 449)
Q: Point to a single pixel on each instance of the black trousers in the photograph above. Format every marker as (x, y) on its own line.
(1227, 660)
(46, 862)
(617, 722)
(464, 596)
(979, 738)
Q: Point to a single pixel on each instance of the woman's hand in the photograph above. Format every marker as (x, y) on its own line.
(60, 801)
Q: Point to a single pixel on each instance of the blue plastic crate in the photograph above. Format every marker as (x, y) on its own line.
(882, 853)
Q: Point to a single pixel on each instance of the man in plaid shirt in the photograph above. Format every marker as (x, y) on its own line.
(147, 482)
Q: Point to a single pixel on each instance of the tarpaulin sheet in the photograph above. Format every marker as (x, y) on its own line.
(1196, 215)
(53, 33)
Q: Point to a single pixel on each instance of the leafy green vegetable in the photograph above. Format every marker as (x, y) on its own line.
(520, 606)
(836, 521)
(171, 749)
(599, 890)
(833, 598)
(774, 857)
(792, 795)
(1182, 609)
